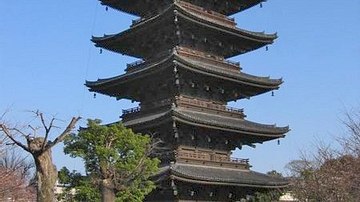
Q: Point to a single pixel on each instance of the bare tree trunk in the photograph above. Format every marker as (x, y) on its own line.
(107, 191)
(40, 149)
(46, 177)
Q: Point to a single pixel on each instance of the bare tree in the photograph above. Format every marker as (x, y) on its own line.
(351, 139)
(40, 149)
(330, 174)
(15, 176)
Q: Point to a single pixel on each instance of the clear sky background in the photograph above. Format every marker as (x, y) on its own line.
(46, 56)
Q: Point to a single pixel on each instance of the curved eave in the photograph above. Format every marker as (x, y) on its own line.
(256, 36)
(109, 41)
(125, 77)
(121, 5)
(227, 177)
(240, 126)
(107, 86)
(229, 124)
(104, 86)
(237, 77)
(114, 42)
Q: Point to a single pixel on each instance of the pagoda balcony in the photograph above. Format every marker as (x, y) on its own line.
(196, 56)
(208, 106)
(137, 21)
(131, 110)
(210, 158)
(134, 65)
(214, 60)
(190, 103)
(208, 14)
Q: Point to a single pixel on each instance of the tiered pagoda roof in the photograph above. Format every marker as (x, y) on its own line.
(222, 70)
(206, 183)
(181, 25)
(217, 176)
(246, 132)
(147, 7)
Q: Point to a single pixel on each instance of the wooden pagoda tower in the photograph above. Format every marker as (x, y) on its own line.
(183, 83)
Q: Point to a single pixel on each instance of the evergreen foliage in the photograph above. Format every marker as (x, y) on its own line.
(116, 160)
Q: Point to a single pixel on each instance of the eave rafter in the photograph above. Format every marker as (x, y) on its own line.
(218, 176)
(241, 127)
(209, 34)
(247, 85)
(145, 7)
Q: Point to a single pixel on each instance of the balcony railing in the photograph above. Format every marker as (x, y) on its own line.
(210, 157)
(233, 109)
(208, 58)
(134, 22)
(131, 110)
(239, 160)
(209, 105)
(232, 62)
(131, 66)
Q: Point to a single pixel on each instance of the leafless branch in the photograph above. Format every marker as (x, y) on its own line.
(10, 136)
(4, 113)
(34, 129)
(67, 130)
(47, 129)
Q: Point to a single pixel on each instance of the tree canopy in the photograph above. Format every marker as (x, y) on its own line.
(116, 160)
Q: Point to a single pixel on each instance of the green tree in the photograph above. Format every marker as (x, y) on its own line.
(76, 187)
(64, 176)
(274, 173)
(116, 160)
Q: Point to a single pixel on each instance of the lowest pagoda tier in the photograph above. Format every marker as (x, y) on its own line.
(183, 24)
(184, 72)
(150, 7)
(204, 183)
(198, 139)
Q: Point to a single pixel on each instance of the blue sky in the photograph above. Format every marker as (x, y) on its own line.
(46, 56)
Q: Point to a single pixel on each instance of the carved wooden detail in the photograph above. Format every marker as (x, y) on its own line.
(215, 60)
(209, 106)
(208, 14)
(210, 157)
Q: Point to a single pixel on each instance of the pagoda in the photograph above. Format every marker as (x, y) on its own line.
(183, 83)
